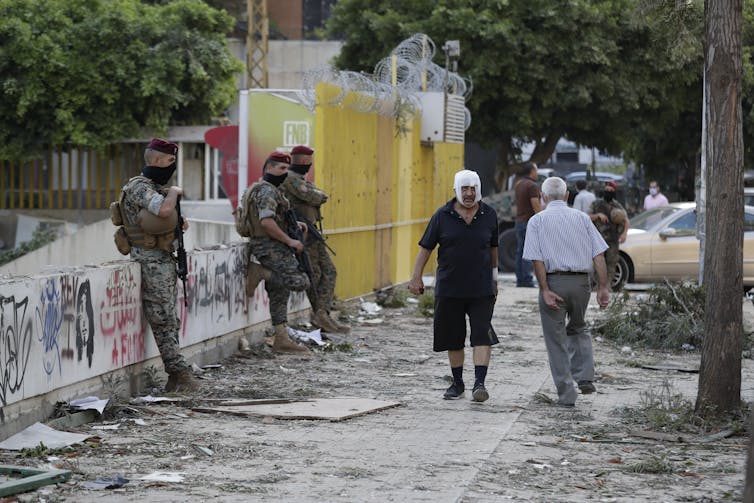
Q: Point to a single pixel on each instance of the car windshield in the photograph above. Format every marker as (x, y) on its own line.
(650, 218)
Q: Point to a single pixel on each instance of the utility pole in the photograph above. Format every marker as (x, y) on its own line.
(256, 43)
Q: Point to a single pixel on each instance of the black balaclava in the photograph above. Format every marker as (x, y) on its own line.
(608, 196)
(275, 180)
(159, 175)
(301, 169)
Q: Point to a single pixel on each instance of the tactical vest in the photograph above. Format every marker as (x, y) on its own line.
(252, 214)
(130, 234)
(303, 209)
(609, 230)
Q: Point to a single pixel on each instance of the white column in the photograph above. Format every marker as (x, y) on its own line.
(243, 142)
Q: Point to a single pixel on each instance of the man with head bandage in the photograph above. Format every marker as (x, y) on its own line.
(466, 280)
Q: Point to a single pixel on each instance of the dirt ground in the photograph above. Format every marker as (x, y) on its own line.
(514, 447)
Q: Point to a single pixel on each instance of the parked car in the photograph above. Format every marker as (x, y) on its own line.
(598, 175)
(749, 196)
(662, 244)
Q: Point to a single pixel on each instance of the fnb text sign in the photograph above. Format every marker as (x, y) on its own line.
(295, 133)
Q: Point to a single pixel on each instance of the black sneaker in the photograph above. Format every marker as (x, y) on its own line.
(587, 387)
(479, 394)
(455, 391)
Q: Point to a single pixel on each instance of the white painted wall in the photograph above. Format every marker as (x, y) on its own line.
(70, 326)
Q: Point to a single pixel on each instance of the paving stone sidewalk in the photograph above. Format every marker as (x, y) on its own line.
(514, 447)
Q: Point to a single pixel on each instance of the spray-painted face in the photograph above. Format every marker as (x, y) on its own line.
(468, 188)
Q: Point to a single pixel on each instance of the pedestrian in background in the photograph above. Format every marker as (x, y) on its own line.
(655, 198)
(306, 200)
(584, 198)
(565, 248)
(612, 221)
(527, 205)
(148, 212)
(466, 280)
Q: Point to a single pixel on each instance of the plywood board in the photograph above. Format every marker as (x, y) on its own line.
(692, 369)
(331, 409)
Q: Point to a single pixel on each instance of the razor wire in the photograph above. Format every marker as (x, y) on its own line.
(394, 86)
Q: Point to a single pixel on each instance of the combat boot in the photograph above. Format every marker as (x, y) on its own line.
(343, 328)
(183, 380)
(282, 343)
(255, 273)
(322, 320)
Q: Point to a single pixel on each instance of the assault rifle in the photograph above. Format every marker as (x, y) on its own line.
(293, 231)
(182, 265)
(316, 234)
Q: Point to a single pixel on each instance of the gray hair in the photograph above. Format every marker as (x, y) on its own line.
(554, 188)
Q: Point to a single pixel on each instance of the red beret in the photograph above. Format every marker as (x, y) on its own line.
(302, 149)
(164, 146)
(612, 184)
(279, 157)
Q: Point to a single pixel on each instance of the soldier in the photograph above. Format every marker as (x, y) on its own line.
(264, 208)
(306, 199)
(611, 220)
(148, 212)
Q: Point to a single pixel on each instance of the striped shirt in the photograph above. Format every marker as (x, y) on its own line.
(563, 238)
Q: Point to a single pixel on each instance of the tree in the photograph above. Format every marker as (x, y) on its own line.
(90, 72)
(720, 371)
(592, 71)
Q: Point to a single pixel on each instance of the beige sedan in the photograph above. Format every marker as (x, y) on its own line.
(662, 244)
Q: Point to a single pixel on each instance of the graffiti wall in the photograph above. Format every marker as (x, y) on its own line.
(59, 329)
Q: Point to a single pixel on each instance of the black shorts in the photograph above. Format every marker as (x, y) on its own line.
(450, 322)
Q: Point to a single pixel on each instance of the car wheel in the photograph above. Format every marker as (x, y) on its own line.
(506, 251)
(620, 275)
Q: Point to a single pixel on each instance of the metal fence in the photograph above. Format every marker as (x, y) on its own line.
(69, 178)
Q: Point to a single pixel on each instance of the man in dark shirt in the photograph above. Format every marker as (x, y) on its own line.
(466, 280)
(527, 204)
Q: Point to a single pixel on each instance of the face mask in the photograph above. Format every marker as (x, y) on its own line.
(159, 175)
(653, 192)
(608, 196)
(275, 180)
(301, 169)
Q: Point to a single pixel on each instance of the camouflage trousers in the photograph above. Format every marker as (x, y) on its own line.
(286, 275)
(158, 299)
(323, 277)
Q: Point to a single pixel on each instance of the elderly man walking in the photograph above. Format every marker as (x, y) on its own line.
(466, 231)
(565, 247)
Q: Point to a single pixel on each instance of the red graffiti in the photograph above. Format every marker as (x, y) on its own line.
(120, 318)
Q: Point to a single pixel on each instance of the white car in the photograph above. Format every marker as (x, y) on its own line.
(662, 244)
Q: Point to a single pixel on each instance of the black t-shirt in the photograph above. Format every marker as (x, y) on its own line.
(464, 265)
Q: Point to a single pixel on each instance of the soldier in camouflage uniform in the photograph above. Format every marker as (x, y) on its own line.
(274, 248)
(306, 199)
(611, 220)
(145, 198)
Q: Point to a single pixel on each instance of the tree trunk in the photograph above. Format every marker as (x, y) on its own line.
(503, 165)
(544, 149)
(720, 372)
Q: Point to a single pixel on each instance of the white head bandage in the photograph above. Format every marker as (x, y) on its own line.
(467, 178)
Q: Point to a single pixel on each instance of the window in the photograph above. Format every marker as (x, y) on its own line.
(685, 224)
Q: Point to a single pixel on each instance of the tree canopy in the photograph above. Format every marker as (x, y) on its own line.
(594, 71)
(89, 72)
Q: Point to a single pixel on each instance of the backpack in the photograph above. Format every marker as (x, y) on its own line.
(242, 213)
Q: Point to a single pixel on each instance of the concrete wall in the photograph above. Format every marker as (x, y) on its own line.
(61, 333)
